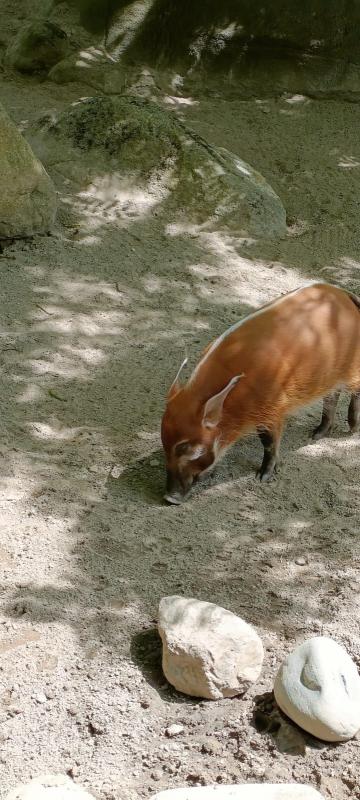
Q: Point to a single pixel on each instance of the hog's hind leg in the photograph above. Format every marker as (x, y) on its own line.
(328, 415)
(270, 440)
(354, 412)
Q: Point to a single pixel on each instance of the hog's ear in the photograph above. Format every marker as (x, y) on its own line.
(214, 406)
(176, 385)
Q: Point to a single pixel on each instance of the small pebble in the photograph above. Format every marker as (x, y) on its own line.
(40, 698)
(174, 730)
(156, 775)
(301, 561)
(13, 710)
(73, 771)
(116, 471)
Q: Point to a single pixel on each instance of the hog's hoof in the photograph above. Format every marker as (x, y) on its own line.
(354, 428)
(267, 474)
(320, 432)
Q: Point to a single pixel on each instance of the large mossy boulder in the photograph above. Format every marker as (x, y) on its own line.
(142, 142)
(27, 194)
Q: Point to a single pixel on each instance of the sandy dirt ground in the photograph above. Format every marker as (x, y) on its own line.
(94, 321)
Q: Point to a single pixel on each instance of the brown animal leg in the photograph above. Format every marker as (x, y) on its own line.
(354, 412)
(328, 415)
(270, 440)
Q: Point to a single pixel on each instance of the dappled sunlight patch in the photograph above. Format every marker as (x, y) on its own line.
(349, 495)
(90, 241)
(52, 476)
(348, 162)
(241, 167)
(124, 26)
(148, 436)
(334, 448)
(43, 430)
(297, 99)
(32, 476)
(82, 63)
(153, 284)
(253, 281)
(71, 363)
(172, 100)
(76, 290)
(228, 31)
(89, 318)
(92, 54)
(345, 272)
(71, 318)
(181, 228)
(113, 197)
(92, 356)
(99, 323)
(213, 41)
(295, 526)
(232, 488)
(32, 393)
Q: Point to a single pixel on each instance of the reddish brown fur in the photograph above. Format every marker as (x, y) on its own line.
(294, 351)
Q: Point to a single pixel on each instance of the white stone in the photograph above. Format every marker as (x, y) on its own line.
(174, 730)
(49, 787)
(318, 687)
(253, 791)
(207, 651)
(40, 698)
(116, 471)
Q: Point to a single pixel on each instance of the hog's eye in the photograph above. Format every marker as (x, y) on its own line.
(182, 448)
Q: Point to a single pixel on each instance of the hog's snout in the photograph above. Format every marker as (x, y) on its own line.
(177, 487)
(173, 499)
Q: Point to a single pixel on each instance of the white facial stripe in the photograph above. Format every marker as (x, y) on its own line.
(194, 452)
(240, 322)
(198, 451)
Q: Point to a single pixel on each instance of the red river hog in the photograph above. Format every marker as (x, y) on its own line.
(301, 347)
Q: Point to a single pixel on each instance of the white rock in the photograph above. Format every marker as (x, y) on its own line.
(318, 687)
(40, 698)
(174, 730)
(50, 787)
(207, 651)
(253, 791)
(116, 471)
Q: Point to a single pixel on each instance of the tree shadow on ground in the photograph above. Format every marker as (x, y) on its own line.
(95, 323)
